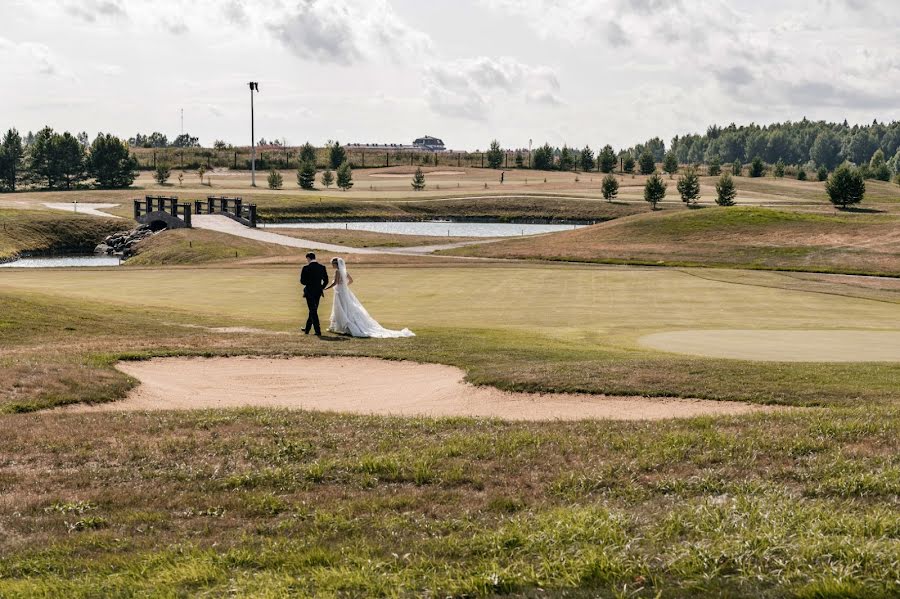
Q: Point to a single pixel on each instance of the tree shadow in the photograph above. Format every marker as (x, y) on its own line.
(861, 210)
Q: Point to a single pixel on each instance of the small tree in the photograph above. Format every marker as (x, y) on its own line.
(654, 190)
(689, 186)
(737, 168)
(307, 153)
(180, 178)
(70, 158)
(418, 181)
(628, 163)
(494, 155)
(725, 192)
(610, 187)
(647, 164)
(162, 172)
(520, 159)
(822, 174)
(327, 178)
(757, 167)
(587, 159)
(845, 186)
(110, 163)
(607, 159)
(542, 158)
(878, 168)
(801, 174)
(715, 167)
(201, 171)
(337, 155)
(345, 176)
(275, 180)
(12, 157)
(306, 175)
(779, 169)
(566, 160)
(670, 163)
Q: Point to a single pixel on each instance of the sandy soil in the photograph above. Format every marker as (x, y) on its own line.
(371, 386)
(782, 346)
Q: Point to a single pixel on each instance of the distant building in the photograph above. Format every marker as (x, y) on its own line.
(430, 143)
(427, 143)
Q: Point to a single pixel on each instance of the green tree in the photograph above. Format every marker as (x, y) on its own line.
(68, 154)
(186, 141)
(610, 187)
(307, 153)
(670, 163)
(801, 174)
(845, 186)
(162, 172)
(822, 174)
(327, 178)
(757, 167)
(878, 166)
(779, 169)
(306, 175)
(587, 159)
(43, 168)
(654, 190)
(110, 163)
(627, 163)
(542, 158)
(520, 159)
(647, 164)
(715, 167)
(12, 158)
(337, 155)
(566, 160)
(345, 176)
(275, 180)
(607, 159)
(725, 192)
(689, 186)
(201, 172)
(418, 182)
(826, 149)
(737, 168)
(494, 155)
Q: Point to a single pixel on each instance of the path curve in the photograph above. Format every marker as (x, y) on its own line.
(373, 386)
(83, 208)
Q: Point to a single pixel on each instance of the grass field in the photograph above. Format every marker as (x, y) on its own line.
(39, 232)
(742, 237)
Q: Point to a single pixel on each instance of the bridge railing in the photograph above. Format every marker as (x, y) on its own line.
(229, 206)
(166, 204)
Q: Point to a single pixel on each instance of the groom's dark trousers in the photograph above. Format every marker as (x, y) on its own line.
(314, 278)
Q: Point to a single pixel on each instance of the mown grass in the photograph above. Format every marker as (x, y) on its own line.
(43, 232)
(198, 246)
(736, 237)
(270, 503)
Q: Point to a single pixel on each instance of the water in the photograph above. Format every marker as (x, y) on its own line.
(62, 261)
(432, 228)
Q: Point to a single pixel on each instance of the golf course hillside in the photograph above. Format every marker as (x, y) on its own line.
(196, 246)
(25, 232)
(740, 237)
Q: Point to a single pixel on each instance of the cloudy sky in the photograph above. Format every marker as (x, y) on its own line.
(563, 71)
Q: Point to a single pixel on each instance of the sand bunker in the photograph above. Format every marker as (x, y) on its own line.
(371, 386)
(782, 345)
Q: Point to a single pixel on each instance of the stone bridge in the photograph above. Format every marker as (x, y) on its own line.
(165, 212)
(232, 207)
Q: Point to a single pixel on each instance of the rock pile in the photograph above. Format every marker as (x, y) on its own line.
(123, 242)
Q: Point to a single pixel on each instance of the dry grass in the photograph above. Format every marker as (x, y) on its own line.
(369, 239)
(41, 232)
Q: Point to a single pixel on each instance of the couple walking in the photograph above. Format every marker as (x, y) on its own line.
(348, 316)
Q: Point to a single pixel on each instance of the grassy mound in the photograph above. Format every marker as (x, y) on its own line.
(39, 232)
(196, 246)
(741, 237)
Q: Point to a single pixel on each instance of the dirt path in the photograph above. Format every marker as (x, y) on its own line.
(82, 208)
(372, 386)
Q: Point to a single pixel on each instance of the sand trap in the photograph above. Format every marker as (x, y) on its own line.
(782, 345)
(371, 386)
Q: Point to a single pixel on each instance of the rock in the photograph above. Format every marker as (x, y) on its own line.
(123, 242)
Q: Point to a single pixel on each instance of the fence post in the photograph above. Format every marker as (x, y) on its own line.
(387, 159)
(137, 209)
(252, 208)
(235, 160)
(187, 214)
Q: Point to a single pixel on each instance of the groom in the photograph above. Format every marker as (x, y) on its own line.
(314, 278)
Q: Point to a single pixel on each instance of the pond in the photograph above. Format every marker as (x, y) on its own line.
(432, 228)
(62, 261)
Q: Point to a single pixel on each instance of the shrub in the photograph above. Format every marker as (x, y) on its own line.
(628, 164)
(715, 167)
(647, 163)
(878, 168)
(162, 173)
(418, 182)
(725, 192)
(779, 169)
(846, 186)
(822, 173)
(689, 186)
(327, 178)
(737, 168)
(801, 174)
(345, 176)
(670, 163)
(654, 190)
(757, 167)
(609, 187)
(275, 179)
(306, 175)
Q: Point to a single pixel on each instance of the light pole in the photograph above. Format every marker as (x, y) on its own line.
(254, 86)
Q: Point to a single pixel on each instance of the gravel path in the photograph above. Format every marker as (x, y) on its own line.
(79, 208)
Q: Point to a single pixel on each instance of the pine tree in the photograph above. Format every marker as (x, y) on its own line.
(647, 164)
(822, 174)
(337, 155)
(878, 167)
(345, 176)
(110, 163)
(725, 192)
(715, 167)
(12, 158)
(628, 163)
(494, 156)
(70, 158)
(757, 167)
(737, 168)
(670, 163)
(607, 159)
(418, 181)
(654, 190)
(542, 158)
(689, 186)
(275, 179)
(610, 187)
(566, 161)
(307, 153)
(327, 178)
(845, 186)
(587, 159)
(779, 169)
(306, 175)
(801, 174)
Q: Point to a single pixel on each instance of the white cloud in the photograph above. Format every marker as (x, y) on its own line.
(30, 57)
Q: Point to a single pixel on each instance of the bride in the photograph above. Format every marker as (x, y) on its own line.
(348, 316)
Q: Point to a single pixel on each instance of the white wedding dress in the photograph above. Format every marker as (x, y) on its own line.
(349, 317)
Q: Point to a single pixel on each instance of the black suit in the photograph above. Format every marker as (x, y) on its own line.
(314, 278)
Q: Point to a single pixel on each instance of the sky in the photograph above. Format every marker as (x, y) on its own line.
(570, 72)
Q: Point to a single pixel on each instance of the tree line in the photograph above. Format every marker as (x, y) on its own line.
(52, 160)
